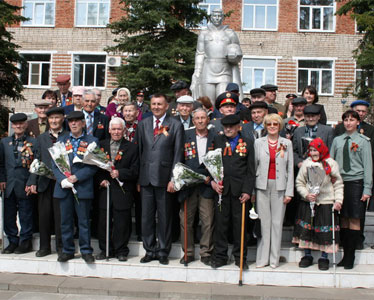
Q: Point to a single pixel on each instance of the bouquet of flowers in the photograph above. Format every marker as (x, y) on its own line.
(61, 158)
(290, 128)
(185, 176)
(213, 162)
(40, 168)
(96, 156)
(316, 176)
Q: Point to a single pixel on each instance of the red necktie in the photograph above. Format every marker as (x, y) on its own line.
(155, 131)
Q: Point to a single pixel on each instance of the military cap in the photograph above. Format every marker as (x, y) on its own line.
(62, 78)
(230, 120)
(19, 117)
(269, 87)
(185, 99)
(226, 98)
(42, 103)
(299, 100)
(360, 102)
(75, 115)
(140, 93)
(312, 110)
(78, 90)
(291, 96)
(114, 92)
(257, 91)
(259, 104)
(179, 85)
(55, 110)
(232, 87)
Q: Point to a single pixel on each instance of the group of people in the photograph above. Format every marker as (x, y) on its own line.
(268, 158)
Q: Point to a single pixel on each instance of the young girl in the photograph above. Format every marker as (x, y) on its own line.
(313, 229)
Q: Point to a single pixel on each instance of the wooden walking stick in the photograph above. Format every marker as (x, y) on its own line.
(242, 246)
(185, 234)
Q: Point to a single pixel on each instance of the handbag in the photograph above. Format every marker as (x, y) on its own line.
(257, 228)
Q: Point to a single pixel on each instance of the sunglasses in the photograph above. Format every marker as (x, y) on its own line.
(275, 124)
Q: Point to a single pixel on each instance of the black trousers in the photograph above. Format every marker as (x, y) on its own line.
(49, 218)
(156, 200)
(119, 230)
(138, 213)
(230, 207)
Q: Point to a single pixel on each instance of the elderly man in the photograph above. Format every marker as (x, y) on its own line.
(38, 125)
(130, 113)
(197, 142)
(257, 95)
(99, 107)
(160, 141)
(81, 179)
(16, 155)
(78, 92)
(226, 105)
(185, 107)
(298, 104)
(255, 129)
(125, 158)
(179, 88)
(64, 96)
(271, 96)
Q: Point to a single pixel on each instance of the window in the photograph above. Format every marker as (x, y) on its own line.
(318, 73)
(257, 72)
(35, 72)
(40, 13)
(92, 13)
(209, 6)
(260, 14)
(89, 70)
(317, 15)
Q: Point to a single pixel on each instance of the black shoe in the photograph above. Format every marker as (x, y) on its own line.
(215, 264)
(189, 259)
(245, 265)
(306, 261)
(88, 258)
(146, 259)
(10, 249)
(372, 247)
(24, 247)
(102, 255)
(43, 252)
(360, 246)
(122, 257)
(205, 260)
(139, 238)
(64, 257)
(341, 263)
(163, 260)
(323, 264)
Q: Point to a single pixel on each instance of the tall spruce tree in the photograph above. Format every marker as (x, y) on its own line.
(156, 36)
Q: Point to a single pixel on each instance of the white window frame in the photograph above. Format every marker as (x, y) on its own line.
(276, 58)
(254, 20)
(32, 86)
(97, 18)
(209, 11)
(32, 19)
(333, 59)
(72, 53)
(311, 18)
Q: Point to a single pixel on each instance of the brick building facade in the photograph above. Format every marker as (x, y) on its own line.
(290, 43)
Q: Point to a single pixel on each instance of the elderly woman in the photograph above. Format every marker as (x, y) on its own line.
(274, 188)
(115, 107)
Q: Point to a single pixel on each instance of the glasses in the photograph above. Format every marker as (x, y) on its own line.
(275, 124)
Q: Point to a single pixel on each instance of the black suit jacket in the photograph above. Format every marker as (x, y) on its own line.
(239, 171)
(248, 131)
(128, 168)
(101, 126)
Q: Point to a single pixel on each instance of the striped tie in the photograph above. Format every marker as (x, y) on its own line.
(89, 124)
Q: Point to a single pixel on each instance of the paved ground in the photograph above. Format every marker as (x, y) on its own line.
(49, 287)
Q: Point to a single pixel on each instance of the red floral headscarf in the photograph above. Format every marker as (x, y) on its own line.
(320, 146)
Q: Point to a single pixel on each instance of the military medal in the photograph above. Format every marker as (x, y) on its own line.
(100, 126)
(227, 150)
(241, 148)
(68, 147)
(82, 148)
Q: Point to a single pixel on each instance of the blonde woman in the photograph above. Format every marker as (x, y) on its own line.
(274, 188)
(115, 107)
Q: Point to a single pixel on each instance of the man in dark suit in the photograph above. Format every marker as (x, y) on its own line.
(39, 125)
(81, 179)
(238, 184)
(16, 154)
(99, 107)
(197, 142)
(125, 157)
(255, 129)
(48, 206)
(64, 96)
(160, 141)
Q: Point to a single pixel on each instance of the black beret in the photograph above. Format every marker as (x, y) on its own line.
(291, 96)
(75, 115)
(55, 110)
(269, 87)
(312, 110)
(230, 120)
(226, 98)
(299, 100)
(257, 91)
(259, 104)
(179, 85)
(19, 117)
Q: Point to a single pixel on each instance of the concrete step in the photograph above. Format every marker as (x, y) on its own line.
(288, 274)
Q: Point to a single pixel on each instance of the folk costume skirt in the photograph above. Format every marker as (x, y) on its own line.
(353, 207)
(316, 233)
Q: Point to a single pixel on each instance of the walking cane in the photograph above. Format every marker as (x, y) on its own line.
(185, 234)
(2, 221)
(107, 224)
(242, 246)
(333, 244)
